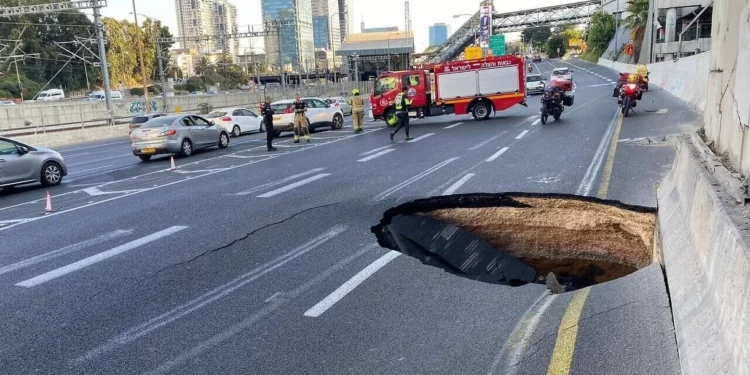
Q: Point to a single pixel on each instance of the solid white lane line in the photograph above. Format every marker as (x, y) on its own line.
(536, 122)
(596, 162)
(373, 156)
(83, 263)
(411, 180)
(295, 185)
(497, 154)
(452, 189)
(374, 150)
(453, 126)
(89, 170)
(65, 250)
(486, 141)
(352, 283)
(280, 182)
(215, 294)
(522, 134)
(420, 138)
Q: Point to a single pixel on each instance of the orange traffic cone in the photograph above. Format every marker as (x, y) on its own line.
(48, 207)
(172, 167)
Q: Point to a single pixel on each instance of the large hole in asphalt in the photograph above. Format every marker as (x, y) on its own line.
(565, 241)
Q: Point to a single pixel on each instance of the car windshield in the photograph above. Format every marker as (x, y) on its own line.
(533, 78)
(158, 122)
(385, 84)
(216, 114)
(43, 95)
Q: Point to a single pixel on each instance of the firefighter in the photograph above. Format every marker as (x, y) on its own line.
(267, 112)
(300, 120)
(358, 110)
(402, 113)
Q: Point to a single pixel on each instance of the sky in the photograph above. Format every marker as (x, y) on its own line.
(375, 13)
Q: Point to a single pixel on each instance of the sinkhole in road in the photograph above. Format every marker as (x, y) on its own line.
(565, 241)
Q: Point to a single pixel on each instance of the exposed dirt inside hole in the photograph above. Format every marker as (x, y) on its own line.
(586, 240)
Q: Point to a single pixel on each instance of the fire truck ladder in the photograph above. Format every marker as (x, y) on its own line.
(565, 14)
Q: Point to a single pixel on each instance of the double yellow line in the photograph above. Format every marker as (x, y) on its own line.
(567, 334)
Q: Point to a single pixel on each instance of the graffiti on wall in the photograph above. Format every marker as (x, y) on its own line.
(137, 108)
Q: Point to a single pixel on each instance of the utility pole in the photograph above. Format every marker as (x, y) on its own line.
(103, 60)
(163, 79)
(143, 64)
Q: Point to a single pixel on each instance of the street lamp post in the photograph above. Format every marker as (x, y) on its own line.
(143, 64)
(333, 44)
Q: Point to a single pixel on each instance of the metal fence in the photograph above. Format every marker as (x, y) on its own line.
(35, 118)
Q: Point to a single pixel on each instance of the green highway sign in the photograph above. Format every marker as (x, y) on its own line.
(497, 44)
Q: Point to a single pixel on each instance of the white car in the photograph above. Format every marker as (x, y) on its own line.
(237, 120)
(534, 84)
(562, 74)
(319, 114)
(342, 103)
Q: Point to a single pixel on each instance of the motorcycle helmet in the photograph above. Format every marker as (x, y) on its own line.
(633, 78)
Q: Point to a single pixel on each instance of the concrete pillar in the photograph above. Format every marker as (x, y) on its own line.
(671, 26)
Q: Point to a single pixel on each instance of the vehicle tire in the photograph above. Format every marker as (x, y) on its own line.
(187, 148)
(262, 127)
(626, 106)
(223, 140)
(481, 111)
(144, 157)
(338, 122)
(51, 174)
(236, 132)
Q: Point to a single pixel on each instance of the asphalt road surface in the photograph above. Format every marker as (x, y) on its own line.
(248, 262)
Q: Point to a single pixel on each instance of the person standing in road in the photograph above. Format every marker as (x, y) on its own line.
(358, 110)
(402, 113)
(267, 112)
(300, 120)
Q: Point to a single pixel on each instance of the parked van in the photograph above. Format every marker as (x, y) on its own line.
(50, 95)
(98, 96)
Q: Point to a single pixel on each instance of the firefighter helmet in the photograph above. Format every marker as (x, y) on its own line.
(391, 120)
(633, 78)
(355, 92)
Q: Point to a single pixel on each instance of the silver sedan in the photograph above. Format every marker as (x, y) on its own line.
(176, 134)
(23, 164)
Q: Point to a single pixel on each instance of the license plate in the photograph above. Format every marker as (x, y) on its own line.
(148, 150)
(276, 118)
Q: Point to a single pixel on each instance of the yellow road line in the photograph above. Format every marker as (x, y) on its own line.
(562, 355)
(607, 172)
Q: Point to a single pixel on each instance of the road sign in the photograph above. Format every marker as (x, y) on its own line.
(629, 50)
(497, 45)
(473, 53)
(630, 42)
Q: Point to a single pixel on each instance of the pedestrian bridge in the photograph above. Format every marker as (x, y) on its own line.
(564, 14)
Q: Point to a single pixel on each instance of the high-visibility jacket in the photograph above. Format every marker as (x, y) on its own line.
(402, 102)
(358, 105)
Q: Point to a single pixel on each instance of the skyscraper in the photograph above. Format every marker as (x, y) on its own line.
(208, 17)
(438, 34)
(293, 45)
(346, 17)
(325, 11)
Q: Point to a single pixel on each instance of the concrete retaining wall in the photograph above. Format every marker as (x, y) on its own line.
(707, 262)
(58, 139)
(686, 78)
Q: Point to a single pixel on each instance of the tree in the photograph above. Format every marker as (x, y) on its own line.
(601, 31)
(636, 21)
(539, 35)
(203, 66)
(122, 52)
(223, 62)
(556, 46)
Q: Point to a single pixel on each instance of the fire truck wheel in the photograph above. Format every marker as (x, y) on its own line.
(481, 111)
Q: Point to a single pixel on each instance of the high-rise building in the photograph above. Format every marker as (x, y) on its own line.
(346, 17)
(438, 34)
(225, 22)
(293, 45)
(325, 33)
(208, 17)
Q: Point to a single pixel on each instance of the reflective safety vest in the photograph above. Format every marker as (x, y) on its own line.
(402, 102)
(358, 105)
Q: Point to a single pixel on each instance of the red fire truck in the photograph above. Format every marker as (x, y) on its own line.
(478, 87)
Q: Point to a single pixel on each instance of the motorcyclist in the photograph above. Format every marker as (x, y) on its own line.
(531, 68)
(632, 78)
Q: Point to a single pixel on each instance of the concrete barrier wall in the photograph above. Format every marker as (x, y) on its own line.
(727, 115)
(58, 139)
(686, 78)
(707, 262)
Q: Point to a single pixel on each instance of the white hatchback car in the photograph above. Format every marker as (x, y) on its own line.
(237, 120)
(319, 114)
(563, 73)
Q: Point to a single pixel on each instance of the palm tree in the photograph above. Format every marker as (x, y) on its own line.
(203, 66)
(636, 21)
(223, 62)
